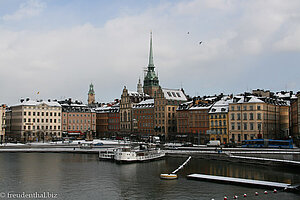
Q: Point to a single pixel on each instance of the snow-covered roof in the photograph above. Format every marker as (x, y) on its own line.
(136, 94)
(220, 106)
(200, 107)
(171, 94)
(37, 103)
(149, 103)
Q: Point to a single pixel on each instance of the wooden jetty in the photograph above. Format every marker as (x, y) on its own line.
(240, 181)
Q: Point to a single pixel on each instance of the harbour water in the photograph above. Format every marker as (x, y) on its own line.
(83, 176)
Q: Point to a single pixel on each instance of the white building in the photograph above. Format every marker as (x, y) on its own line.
(34, 121)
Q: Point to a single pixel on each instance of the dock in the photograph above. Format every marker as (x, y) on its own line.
(240, 181)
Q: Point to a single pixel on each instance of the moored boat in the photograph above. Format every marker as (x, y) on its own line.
(168, 176)
(144, 153)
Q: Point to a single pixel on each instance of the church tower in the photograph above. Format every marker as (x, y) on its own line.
(151, 82)
(91, 95)
(139, 87)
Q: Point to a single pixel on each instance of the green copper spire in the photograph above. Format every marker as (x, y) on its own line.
(91, 91)
(151, 64)
(151, 82)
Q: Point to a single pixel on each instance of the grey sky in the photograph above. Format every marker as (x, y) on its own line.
(58, 47)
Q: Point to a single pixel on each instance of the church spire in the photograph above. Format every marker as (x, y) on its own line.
(151, 64)
(151, 82)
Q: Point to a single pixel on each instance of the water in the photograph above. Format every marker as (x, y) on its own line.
(83, 176)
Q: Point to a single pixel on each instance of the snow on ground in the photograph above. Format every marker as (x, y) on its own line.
(11, 144)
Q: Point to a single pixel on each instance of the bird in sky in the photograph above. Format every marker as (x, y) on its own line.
(200, 42)
(188, 32)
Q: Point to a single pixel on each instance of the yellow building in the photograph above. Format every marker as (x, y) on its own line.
(218, 121)
(252, 117)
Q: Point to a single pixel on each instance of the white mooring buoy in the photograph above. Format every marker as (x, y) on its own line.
(173, 175)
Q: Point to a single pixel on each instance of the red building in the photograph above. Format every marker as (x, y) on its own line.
(143, 118)
(108, 121)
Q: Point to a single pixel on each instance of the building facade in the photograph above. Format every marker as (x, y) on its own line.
(252, 117)
(128, 100)
(108, 121)
(218, 121)
(78, 120)
(143, 118)
(2, 123)
(166, 102)
(34, 121)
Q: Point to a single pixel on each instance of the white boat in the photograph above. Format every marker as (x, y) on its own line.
(107, 154)
(130, 154)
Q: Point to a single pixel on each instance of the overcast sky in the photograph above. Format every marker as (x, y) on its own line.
(58, 47)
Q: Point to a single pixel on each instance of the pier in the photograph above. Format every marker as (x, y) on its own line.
(240, 181)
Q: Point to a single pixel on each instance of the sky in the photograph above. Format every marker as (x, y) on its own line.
(58, 47)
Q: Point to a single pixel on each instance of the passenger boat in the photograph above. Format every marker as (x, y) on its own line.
(107, 154)
(143, 153)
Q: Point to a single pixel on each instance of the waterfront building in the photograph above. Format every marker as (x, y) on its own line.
(143, 118)
(182, 114)
(252, 117)
(218, 121)
(295, 119)
(128, 100)
(78, 120)
(166, 102)
(34, 121)
(199, 122)
(108, 120)
(151, 82)
(91, 95)
(2, 123)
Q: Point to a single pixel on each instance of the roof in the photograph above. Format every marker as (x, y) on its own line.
(36, 103)
(171, 94)
(149, 103)
(136, 94)
(220, 106)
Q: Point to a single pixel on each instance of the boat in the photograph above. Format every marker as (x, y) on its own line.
(138, 154)
(107, 154)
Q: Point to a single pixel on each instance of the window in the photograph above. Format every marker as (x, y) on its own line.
(232, 116)
(251, 107)
(33, 113)
(245, 116)
(245, 126)
(251, 116)
(238, 126)
(29, 113)
(24, 119)
(259, 126)
(232, 108)
(38, 113)
(258, 107)
(24, 113)
(238, 107)
(245, 107)
(258, 116)
(251, 126)
(238, 116)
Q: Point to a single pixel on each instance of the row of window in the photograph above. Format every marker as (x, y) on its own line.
(41, 127)
(218, 123)
(40, 134)
(81, 115)
(42, 113)
(42, 120)
(81, 127)
(245, 116)
(218, 116)
(244, 107)
(77, 121)
(237, 126)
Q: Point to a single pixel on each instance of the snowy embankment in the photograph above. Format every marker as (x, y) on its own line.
(66, 143)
